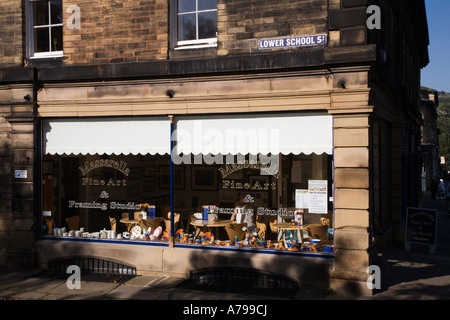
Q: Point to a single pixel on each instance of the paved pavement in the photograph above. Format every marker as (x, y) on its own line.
(406, 275)
(416, 274)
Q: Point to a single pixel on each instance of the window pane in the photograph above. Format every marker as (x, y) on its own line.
(41, 40)
(56, 11)
(57, 39)
(186, 5)
(40, 10)
(186, 27)
(207, 24)
(238, 200)
(207, 4)
(111, 196)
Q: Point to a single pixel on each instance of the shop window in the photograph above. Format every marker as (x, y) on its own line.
(44, 28)
(252, 204)
(116, 184)
(106, 197)
(243, 204)
(194, 23)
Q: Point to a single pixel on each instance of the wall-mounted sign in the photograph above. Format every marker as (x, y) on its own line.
(21, 174)
(421, 226)
(286, 42)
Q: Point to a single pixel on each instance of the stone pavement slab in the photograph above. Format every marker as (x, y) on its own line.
(89, 290)
(133, 292)
(189, 294)
(141, 281)
(31, 288)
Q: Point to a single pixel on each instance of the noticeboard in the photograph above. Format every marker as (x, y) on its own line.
(421, 228)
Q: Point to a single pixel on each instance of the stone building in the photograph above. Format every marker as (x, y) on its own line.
(430, 136)
(297, 107)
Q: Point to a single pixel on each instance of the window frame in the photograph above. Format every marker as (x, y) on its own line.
(30, 28)
(188, 44)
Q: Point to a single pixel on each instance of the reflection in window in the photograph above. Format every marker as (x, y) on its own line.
(197, 20)
(252, 205)
(47, 23)
(108, 196)
(244, 204)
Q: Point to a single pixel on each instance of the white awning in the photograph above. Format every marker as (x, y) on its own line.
(249, 134)
(107, 136)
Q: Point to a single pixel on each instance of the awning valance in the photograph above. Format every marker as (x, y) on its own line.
(107, 136)
(225, 134)
(250, 134)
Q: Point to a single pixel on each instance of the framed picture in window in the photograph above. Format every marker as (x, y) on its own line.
(164, 177)
(47, 167)
(149, 172)
(204, 178)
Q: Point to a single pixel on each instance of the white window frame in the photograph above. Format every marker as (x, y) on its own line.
(189, 44)
(30, 33)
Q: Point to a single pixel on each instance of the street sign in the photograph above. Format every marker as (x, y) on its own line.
(286, 42)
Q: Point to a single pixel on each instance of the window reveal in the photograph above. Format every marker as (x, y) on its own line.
(196, 22)
(45, 27)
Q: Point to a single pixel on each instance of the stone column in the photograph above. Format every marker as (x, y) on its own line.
(352, 203)
(20, 248)
(5, 182)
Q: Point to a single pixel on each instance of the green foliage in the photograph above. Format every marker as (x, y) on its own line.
(443, 123)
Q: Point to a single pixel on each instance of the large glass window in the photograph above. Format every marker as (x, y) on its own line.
(244, 204)
(114, 179)
(248, 203)
(45, 25)
(108, 196)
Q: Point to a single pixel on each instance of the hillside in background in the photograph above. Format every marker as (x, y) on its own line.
(444, 100)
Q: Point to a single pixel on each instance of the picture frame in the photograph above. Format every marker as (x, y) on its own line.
(164, 177)
(149, 171)
(148, 157)
(47, 167)
(135, 173)
(204, 178)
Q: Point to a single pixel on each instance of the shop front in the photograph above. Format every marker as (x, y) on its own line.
(187, 192)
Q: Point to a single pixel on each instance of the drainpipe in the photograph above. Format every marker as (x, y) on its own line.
(37, 155)
(172, 217)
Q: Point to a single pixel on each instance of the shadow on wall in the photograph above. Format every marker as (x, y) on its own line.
(259, 269)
